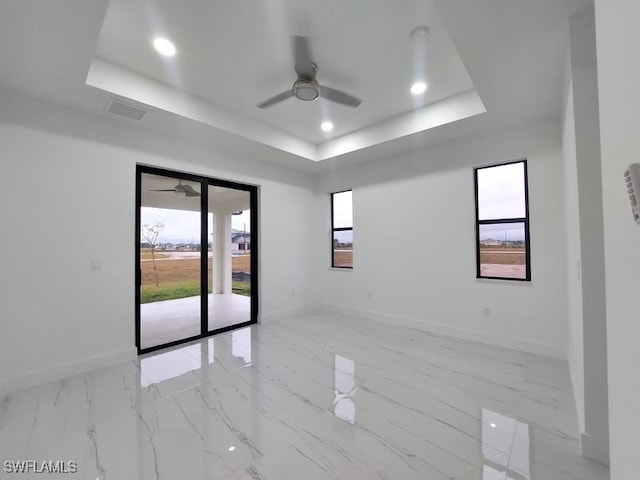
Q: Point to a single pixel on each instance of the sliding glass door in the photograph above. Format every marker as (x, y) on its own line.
(229, 274)
(170, 251)
(195, 257)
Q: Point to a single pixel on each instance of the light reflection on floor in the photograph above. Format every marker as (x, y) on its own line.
(344, 405)
(165, 365)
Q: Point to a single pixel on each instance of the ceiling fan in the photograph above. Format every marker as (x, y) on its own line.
(180, 189)
(306, 87)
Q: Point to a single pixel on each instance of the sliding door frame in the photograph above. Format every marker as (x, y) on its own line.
(205, 182)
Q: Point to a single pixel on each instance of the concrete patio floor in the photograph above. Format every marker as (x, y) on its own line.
(170, 320)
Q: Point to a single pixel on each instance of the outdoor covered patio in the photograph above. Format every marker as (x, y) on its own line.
(169, 320)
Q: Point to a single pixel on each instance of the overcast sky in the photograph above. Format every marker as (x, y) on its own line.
(342, 210)
(501, 192)
(501, 195)
(504, 232)
(183, 225)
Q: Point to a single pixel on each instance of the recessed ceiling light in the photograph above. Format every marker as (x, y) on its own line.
(326, 126)
(164, 47)
(418, 88)
(493, 425)
(232, 448)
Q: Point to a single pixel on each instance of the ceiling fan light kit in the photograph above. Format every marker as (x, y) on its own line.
(306, 87)
(306, 90)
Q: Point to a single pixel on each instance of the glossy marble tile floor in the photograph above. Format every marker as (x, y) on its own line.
(316, 397)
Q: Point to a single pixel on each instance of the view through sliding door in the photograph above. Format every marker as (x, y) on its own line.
(229, 268)
(195, 257)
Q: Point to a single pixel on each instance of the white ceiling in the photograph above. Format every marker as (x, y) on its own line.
(236, 54)
(505, 57)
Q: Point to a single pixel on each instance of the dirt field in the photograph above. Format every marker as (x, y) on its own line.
(503, 271)
(147, 255)
(343, 258)
(185, 269)
(502, 256)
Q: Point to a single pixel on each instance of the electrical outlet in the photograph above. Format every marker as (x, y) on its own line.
(486, 313)
(369, 294)
(293, 292)
(95, 265)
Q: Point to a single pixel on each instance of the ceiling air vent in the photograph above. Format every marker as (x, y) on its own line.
(120, 108)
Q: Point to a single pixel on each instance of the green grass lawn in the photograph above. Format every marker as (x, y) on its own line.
(169, 291)
(241, 288)
(175, 290)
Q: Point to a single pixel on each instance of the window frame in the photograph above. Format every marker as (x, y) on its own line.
(494, 221)
(340, 229)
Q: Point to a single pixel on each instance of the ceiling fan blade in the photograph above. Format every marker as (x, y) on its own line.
(304, 66)
(189, 191)
(339, 97)
(276, 99)
(167, 190)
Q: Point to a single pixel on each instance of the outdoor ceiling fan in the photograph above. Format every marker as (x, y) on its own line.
(180, 189)
(306, 87)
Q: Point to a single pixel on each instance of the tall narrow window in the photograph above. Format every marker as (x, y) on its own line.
(341, 230)
(502, 222)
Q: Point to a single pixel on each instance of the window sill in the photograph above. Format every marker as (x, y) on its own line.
(501, 280)
(339, 269)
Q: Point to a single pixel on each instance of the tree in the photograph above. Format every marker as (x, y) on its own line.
(150, 234)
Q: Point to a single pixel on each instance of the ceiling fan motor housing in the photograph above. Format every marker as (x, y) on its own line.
(306, 87)
(306, 90)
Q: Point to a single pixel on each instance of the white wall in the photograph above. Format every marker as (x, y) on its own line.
(430, 283)
(587, 173)
(618, 38)
(68, 195)
(575, 347)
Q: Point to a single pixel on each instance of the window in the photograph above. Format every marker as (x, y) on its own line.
(502, 222)
(341, 230)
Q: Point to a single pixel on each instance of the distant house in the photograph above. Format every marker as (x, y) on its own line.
(337, 244)
(490, 242)
(240, 241)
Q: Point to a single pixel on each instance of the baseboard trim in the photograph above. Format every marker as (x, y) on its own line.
(284, 314)
(593, 450)
(538, 348)
(580, 415)
(20, 382)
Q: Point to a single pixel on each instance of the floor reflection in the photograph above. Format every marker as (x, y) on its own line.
(211, 350)
(344, 405)
(519, 465)
(160, 367)
(164, 366)
(241, 345)
(505, 447)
